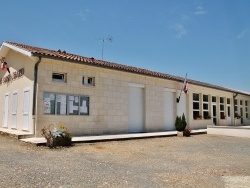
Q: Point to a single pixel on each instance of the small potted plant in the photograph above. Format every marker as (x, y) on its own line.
(237, 116)
(223, 116)
(207, 116)
(58, 136)
(187, 131)
(198, 117)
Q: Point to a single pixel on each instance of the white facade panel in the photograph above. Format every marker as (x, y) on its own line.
(169, 110)
(136, 109)
(182, 105)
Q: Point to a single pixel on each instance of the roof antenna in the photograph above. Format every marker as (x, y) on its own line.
(108, 39)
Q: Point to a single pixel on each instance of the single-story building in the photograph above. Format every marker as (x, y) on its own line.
(39, 87)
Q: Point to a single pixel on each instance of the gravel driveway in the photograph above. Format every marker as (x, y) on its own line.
(197, 161)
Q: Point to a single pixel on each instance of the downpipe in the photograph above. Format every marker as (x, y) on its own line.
(35, 94)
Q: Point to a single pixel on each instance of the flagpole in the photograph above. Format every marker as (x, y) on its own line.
(185, 81)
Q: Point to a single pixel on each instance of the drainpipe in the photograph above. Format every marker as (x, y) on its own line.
(35, 92)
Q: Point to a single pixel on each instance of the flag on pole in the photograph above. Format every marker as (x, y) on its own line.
(4, 65)
(184, 88)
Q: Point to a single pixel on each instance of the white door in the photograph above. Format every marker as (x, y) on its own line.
(169, 111)
(136, 109)
(6, 110)
(14, 110)
(26, 102)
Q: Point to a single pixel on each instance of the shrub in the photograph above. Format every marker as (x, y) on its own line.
(180, 123)
(183, 120)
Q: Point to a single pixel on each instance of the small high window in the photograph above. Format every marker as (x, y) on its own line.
(88, 81)
(58, 77)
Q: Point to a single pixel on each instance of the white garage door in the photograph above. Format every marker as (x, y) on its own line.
(136, 109)
(169, 110)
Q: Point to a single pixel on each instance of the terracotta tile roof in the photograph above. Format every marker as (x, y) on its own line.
(62, 55)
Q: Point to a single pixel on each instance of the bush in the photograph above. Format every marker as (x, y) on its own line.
(59, 136)
(180, 123)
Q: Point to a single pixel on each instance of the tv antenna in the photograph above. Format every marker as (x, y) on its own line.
(108, 39)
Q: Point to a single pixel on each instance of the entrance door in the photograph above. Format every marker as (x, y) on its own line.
(14, 110)
(26, 102)
(169, 111)
(136, 109)
(6, 111)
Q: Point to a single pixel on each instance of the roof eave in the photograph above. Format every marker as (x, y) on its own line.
(109, 67)
(141, 73)
(25, 52)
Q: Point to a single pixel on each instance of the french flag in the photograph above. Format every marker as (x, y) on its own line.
(185, 88)
(4, 65)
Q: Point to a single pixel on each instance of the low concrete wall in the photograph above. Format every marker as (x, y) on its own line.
(239, 131)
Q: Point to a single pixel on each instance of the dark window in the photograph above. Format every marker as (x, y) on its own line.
(222, 107)
(196, 97)
(228, 111)
(221, 100)
(196, 115)
(205, 114)
(57, 77)
(205, 98)
(88, 81)
(235, 102)
(222, 115)
(196, 106)
(213, 99)
(241, 102)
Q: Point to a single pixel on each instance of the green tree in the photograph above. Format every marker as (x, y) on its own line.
(180, 122)
(183, 119)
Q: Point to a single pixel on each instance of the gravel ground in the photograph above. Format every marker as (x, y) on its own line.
(196, 161)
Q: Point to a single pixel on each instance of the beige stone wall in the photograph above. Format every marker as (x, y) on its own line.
(108, 98)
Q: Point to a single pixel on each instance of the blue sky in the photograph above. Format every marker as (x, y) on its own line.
(207, 39)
